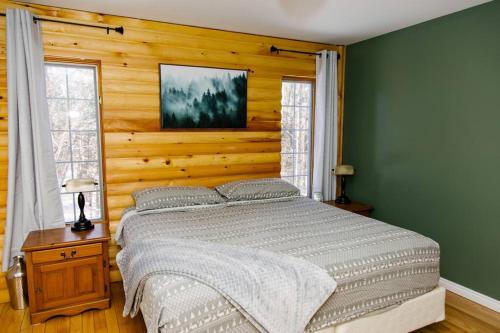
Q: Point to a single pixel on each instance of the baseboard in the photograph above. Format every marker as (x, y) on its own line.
(470, 294)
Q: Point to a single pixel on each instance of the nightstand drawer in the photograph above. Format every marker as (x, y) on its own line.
(84, 250)
(66, 253)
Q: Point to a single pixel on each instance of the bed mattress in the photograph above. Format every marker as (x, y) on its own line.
(376, 265)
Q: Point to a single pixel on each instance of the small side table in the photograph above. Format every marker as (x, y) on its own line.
(353, 207)
(68, 272)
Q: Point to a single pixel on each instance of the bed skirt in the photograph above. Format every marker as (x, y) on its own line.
(409, 316)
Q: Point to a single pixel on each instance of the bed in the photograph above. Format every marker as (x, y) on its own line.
(386, 276)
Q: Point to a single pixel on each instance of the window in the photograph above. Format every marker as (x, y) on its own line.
(73, 100)
(296, 131)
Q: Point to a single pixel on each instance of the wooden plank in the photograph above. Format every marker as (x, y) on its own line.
(114, 276)
(171, 39)
(139, 125)
(12, 320)
(476, 310)
(264, 125)
(111, 321)
(193, 149)
(3, 154)
(340, 106)
(63, 325)
(3, 139)
(155, 162)
(87, 321)
(137, 175)
(113, 224)
(468, 322)
(117, 73)
(3, 198)
(151, 124)
(134, 50)
(26, 323)
(132, 138)
(127, 325)
(113, 250)
(100, 325)
(119, 201)
(51, 325)
(4, 293)
(39, 328)
(124, 188)
(151, 62)
(76, 324)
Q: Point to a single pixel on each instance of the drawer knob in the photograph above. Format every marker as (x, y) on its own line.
(73, 253)
(63, 254)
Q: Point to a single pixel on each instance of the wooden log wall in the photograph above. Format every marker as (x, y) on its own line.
(136, 153)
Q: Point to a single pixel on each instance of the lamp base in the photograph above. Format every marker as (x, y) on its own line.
(343, 199)
(82, 225)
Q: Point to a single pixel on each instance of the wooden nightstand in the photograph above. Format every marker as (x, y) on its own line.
(68, 272)
(354, 207)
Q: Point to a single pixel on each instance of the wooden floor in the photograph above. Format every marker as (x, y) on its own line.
(461, 316)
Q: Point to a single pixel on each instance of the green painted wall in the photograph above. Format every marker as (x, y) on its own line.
(422, 128)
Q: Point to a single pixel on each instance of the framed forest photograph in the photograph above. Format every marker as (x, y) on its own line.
(202, 97)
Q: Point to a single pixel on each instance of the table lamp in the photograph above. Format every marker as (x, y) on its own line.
(81, 185)
(343, 171)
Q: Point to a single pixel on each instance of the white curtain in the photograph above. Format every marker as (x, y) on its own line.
(33, 200)
(325, 126)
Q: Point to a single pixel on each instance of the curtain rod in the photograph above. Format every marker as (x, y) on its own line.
(120, 29)
(277, 50)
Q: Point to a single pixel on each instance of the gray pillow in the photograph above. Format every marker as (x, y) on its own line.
(258, 189)
(175, 196)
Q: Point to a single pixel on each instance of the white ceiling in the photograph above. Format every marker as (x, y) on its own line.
(329, 21)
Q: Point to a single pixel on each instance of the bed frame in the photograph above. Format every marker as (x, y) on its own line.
(409, 316)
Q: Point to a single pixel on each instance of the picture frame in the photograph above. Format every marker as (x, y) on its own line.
(202, 98)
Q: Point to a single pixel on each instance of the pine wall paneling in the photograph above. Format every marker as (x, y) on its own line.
(136, 153)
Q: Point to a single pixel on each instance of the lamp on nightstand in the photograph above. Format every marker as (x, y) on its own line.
(81, 185)
(343, 171)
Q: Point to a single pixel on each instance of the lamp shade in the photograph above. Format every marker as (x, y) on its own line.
(80, 185)
(344, 170)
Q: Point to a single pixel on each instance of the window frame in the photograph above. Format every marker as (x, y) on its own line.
(100, 130)
(312, 81)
